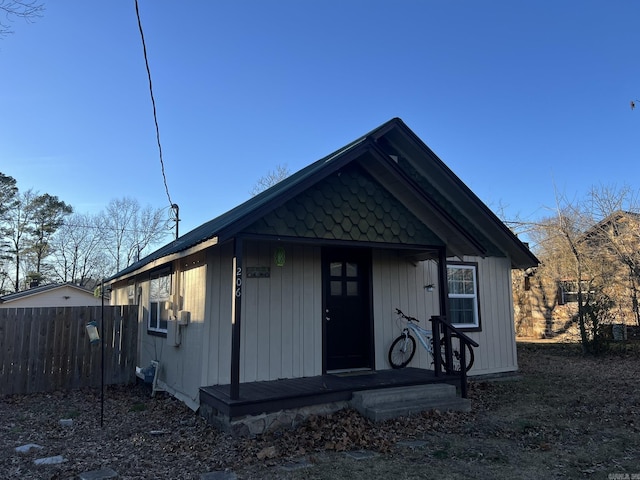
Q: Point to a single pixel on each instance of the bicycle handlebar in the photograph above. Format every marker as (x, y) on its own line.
(406, 317)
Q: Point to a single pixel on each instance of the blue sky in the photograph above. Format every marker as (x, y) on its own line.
(517, 98)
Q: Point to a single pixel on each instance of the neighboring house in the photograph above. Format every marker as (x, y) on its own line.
(547, 301)
(302, 280)
(53, 295)
(616, 239)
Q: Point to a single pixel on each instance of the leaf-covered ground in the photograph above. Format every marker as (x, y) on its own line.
(565, 416)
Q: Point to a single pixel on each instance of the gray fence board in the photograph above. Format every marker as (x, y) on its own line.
(47, 349)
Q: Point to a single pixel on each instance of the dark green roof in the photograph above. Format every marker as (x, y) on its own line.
(392, 157)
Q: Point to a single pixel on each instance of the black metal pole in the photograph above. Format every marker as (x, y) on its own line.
(463, 368)
(176, 208)
(437, 358)
(102, 357)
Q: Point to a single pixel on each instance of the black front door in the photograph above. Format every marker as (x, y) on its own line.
(347, 312)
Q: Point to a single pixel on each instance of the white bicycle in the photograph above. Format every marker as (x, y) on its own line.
(403, 348)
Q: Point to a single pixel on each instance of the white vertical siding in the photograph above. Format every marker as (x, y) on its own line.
(397, 283)
(216, 354)
(311, 316)
(282, 315)
(185, 359)
(497, 350)
(119, 295)
(281, 330)
(180, 366)
(61, 296)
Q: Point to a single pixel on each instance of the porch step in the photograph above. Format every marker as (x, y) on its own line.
(386, 403)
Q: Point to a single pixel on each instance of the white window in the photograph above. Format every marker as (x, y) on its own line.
(568, 291)
(463, 295)
(131, 292)
(159, 296)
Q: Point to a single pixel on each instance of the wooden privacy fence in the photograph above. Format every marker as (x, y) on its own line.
(46, 349)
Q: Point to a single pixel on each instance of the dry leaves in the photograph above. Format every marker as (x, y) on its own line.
(563, 405)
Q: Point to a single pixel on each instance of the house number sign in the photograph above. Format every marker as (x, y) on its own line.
(239, 282)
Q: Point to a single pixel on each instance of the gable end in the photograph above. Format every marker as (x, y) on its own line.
(348, 206)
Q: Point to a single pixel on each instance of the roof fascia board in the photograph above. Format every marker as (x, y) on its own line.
(340, 243)
(30, 292)
(611, 219)
(477, 205)
(42, 289)
(393, 169)
(326, 166)
(158, 262)
(331, 166)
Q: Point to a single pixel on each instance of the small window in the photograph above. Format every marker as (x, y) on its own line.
(463, 295)
(352, 269)
(568, 291)
(352, 289)
(335, 269)
(159, 296)
(131, 292)
(344, 279)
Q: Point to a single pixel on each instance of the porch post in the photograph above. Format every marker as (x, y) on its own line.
(443, 284)
(444, 305)
(236, 319)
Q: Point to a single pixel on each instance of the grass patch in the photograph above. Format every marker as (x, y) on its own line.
(138, 407)
(440, 454)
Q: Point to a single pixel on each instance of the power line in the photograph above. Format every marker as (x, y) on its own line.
(101, 228)
(153, 103)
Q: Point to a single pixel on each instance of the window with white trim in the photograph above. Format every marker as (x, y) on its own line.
(159, 296)
(131, 292)
(462, 281)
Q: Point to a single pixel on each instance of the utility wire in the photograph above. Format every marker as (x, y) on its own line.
(153, 102)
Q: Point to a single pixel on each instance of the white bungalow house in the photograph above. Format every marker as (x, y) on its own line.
(302, 281)
(52, 295)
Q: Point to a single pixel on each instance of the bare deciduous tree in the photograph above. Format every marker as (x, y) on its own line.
(27, 10)
(78, 253)
(270, 179)
(592, 245)
(617, 236)
(129, 229)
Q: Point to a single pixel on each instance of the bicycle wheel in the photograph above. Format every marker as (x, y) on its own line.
(402, 350)
(456, 346)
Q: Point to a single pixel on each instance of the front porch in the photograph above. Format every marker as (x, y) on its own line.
(287, 394)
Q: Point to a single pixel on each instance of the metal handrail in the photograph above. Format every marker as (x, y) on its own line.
(448, 329)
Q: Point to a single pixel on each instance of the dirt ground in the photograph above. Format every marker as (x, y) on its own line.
(563, 416)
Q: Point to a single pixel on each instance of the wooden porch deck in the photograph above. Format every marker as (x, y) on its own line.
(272, 396)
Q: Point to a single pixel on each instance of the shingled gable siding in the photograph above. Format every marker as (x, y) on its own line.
(350, 206)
